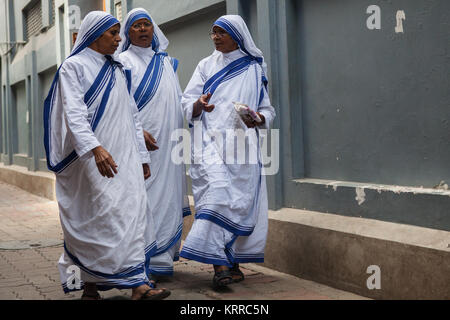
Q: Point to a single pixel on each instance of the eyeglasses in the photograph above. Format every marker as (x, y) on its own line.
(145, 25)
(218, 34)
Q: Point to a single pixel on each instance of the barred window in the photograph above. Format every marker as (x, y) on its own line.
(52, 14)
(33, 20)
(118, 10)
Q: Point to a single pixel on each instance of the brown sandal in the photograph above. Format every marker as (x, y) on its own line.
(157, 296)
(236, 273)
(222, 279)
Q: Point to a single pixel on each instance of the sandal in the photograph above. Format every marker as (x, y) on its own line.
(236, 273)
(153, 280)
(222, 278)
(157, 296)
(91, 297)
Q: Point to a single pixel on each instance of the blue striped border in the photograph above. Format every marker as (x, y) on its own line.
(171, 242)
(223, 222)
(130, 272)
(105, 286)
(192, 254)
(161, 271)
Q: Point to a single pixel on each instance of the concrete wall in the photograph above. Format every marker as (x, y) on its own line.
(364, 107)
(196, 30)
(375, 103)
(164, 11)
(45, 82)
(20, 111)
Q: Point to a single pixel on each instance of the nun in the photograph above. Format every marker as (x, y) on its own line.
(230, 195)
(95, 146)
(155, 87)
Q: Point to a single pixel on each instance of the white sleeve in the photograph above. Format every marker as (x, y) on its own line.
(192, 93)
(75, 110)
(145, 155)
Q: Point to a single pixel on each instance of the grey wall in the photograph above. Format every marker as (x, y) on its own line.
(200, 45)
(164, 11)
(250, 12)
(87, 5)
(376, 104)
(23, 102)
(45, 82)
(2, 20)
(19, 30)
(2, 96)
(2, 103)
(20, 111)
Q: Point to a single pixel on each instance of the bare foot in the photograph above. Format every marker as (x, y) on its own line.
(144, 292)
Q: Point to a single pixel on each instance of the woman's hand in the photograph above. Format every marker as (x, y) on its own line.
(147, 173)
(250, 123)
(105, 163)
(150, 142)
(202, 104)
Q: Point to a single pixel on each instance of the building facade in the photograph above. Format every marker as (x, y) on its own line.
(361, 90)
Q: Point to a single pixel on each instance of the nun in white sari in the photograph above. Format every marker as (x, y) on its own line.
(156, 90)
(230, 198)
(95, 145)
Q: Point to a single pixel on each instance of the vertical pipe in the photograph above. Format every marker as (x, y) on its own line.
(268, 41)
(8, 94)
(35, 119)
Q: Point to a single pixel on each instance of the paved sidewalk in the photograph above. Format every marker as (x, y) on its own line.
(31, 243)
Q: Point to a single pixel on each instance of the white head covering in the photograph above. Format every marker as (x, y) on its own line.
(159, 42)
(238, 30)
(94, 25)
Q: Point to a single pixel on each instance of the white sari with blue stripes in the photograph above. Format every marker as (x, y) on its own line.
(102, 219)
(230, 199)
(156, 90)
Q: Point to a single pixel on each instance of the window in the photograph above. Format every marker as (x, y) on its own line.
(52, 13)
(33, 20)
(118, 10)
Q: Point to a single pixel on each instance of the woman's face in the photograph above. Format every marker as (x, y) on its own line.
(222, 40)
(109, 41)
(141, 33)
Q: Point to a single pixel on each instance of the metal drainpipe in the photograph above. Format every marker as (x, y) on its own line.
(8, 114)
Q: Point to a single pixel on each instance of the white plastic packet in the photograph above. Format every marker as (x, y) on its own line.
(245, 112)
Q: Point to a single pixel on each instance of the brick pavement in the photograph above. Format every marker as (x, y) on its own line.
(31, 243)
